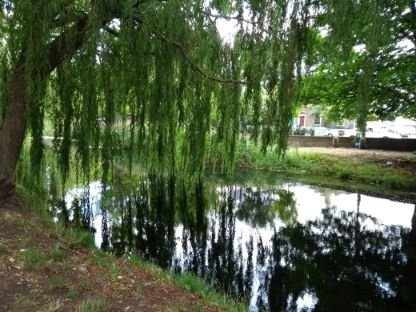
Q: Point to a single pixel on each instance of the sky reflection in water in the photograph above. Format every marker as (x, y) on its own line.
(283, 247)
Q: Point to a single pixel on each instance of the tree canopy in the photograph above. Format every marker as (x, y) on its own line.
(159, 67)
(154, 81)
(373, 72)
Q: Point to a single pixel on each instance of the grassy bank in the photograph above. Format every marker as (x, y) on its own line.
(46, 266)
(315, 166)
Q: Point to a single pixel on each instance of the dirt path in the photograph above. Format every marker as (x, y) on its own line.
(361, 153)
(40, 271)
(400, 160)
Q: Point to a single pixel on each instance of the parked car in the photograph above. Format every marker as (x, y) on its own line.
(320, 131)
(370, 133)
(300, 131)
(336, 132)
(382, 133)
(407, 131)
(350, 133)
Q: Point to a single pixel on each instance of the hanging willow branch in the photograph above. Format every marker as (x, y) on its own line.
(194, 66)
(237, 18)
(182, 51)
(161, 88)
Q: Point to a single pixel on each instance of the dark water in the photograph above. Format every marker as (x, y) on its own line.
(280, 247)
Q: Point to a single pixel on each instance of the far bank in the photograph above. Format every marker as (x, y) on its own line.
(386, 170)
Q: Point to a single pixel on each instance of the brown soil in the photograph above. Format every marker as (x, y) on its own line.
(67, 283)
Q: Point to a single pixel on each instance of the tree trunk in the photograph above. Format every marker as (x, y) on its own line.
(12, 131)
(12, 134)
(362, 143)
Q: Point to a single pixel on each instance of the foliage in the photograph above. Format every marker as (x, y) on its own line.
(152, 80)
(365, 69)
(335, 87)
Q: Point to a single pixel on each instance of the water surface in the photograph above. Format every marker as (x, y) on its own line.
(284, 246)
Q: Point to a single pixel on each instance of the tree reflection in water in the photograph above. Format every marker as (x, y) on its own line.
(343, 261)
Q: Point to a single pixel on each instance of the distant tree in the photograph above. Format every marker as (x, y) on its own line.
(335, 87)
(371, 72)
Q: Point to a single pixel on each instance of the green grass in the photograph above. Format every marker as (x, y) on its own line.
(84, 284)
(193, 284)
(57, 254)
(85, 239)
(196, 285)
(106, 261)
(73, 294)
(318, 165)
(94, 305)
(3, 249)
(33, 259)
(139, 294)
(23, 301)
(58, 282)
(76, 236)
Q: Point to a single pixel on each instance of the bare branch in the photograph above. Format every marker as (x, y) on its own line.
(193, 65)
(64, 18)
(199, 70)
(71, 40)
(235, 18)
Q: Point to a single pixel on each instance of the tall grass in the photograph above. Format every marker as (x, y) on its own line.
(94, 305)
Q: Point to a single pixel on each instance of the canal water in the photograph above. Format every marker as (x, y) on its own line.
(280, 246)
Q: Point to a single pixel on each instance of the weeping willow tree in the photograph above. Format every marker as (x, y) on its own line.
(152, 80)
